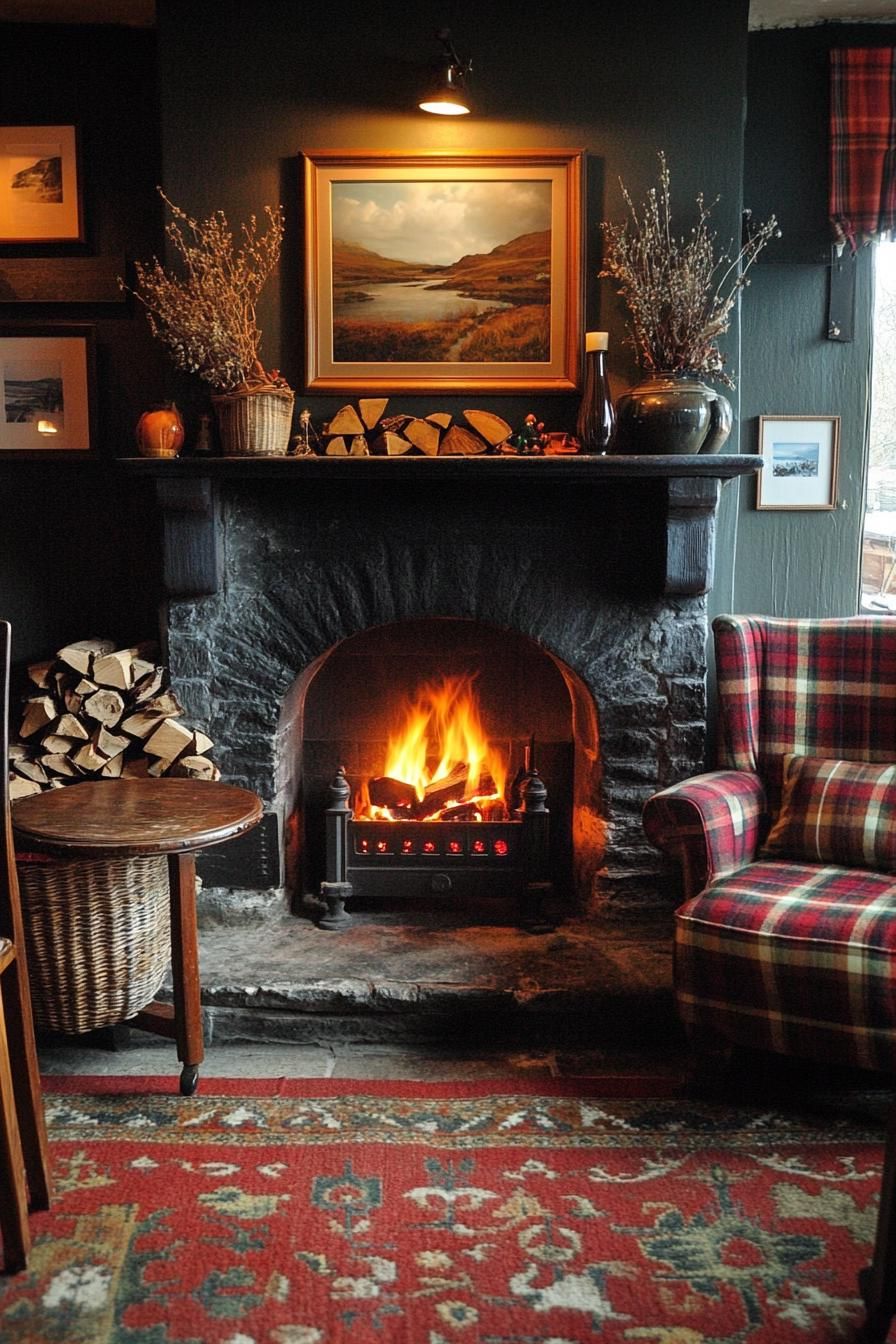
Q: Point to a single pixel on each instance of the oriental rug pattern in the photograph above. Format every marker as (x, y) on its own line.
(405, 1213)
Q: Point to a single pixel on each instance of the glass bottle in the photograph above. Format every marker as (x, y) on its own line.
(596, 419)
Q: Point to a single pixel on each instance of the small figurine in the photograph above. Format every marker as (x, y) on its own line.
(531, 440)
(307, 442)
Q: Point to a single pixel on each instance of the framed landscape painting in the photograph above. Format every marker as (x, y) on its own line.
(800, 454)
(40, 185)
(443, 271)
(47, 387)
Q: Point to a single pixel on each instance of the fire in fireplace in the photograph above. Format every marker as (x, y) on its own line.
(446, 815)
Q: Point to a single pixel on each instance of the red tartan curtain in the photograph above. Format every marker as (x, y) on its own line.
(863, 142)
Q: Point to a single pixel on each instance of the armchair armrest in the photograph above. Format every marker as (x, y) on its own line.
(710, 823)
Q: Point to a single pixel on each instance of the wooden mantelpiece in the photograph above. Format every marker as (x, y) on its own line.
(188, 489)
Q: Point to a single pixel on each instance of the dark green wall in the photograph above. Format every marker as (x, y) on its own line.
(620, 81)
(800, 563)
(78, 549)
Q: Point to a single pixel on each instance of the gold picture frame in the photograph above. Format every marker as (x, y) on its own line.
(443, 271)
(40, 185)
(800, 456)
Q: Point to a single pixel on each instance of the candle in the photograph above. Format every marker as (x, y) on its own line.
(595, 340)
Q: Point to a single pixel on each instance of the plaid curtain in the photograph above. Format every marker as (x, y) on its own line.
(863, 142)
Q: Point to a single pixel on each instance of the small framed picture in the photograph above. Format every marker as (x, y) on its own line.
(799, 454)
(47, 389)
(40, 185)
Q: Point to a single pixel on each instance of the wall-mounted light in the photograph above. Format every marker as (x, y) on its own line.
(447, 94)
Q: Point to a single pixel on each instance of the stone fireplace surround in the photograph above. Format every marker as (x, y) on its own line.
(603, 563)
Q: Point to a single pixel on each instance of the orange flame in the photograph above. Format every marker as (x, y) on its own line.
(441, 733)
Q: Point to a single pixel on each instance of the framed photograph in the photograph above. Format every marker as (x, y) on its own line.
(40, 185)
(799, 455)
(47, 385)
(443, 272)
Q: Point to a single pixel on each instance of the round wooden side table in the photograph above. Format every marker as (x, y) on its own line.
(132, 818)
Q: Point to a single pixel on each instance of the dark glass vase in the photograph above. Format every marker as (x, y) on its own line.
(668, 413)
(596, 419)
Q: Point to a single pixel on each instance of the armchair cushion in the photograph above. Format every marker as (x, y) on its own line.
(835, 811)
(794, 958)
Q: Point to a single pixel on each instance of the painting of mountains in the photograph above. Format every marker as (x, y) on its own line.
(442, 271)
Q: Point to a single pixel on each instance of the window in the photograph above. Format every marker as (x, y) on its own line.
(879, 539)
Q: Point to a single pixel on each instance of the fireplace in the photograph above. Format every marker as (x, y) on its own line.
(576, 587)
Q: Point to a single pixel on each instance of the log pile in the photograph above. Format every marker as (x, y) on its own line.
(367, 431)
(97, 712)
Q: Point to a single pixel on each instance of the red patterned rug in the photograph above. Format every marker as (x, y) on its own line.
(311, 1212)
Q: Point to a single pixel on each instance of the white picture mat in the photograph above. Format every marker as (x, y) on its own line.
(23, 216)
(37, 356)
(799, 462)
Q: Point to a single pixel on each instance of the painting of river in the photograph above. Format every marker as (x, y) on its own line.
(441, 271)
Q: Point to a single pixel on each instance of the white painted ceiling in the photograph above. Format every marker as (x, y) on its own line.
(141, 13)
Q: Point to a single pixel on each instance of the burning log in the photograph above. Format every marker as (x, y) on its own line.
(391, 793)
(451, 789)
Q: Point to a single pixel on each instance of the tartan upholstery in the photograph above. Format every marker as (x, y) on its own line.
(862, 136)
(710, 822)
(836, 812)
(780, 954)
(794, 958)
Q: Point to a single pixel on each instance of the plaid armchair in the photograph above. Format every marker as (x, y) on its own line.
(781, 948)
(786, 940)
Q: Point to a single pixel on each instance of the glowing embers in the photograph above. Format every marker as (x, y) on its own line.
(439, 763)
(419, 841)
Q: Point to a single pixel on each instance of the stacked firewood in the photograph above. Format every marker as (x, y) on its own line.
(368, 431)
(97, 712)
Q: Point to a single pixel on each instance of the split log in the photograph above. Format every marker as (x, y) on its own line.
(336, 448)
(136, 768)
(148, 684)
(89, 759)
(114, 767)
(490, 426)
(39, 713)
(460, 442)
(63, 746)
(21, 788)
(196, 767)
(59, 764)
(39, 673)
(170, 740)
(115, 669)
(104, 706)
(345, 421)
(80, 655)
(31, 770)
(423, 435)
(440, 418)
(372, 409)
(70, 725)
(111, 744)
(391, 445)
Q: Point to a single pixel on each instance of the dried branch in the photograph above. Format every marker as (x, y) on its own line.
(206, 316)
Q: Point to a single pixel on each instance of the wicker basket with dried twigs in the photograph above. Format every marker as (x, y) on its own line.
(205, 316)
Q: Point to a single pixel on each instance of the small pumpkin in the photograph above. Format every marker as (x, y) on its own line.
(160, 432)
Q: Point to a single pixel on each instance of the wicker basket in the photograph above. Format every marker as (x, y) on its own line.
(255, 423)
(97, 938)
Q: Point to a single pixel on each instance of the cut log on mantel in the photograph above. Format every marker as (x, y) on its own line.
(104, 713)
(433, 435)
